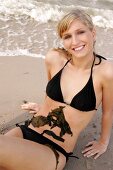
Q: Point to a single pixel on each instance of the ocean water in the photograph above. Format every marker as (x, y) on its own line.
(28, 27)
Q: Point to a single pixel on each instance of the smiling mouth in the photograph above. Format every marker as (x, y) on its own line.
(79, 48)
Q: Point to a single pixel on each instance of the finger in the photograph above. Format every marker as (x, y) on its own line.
(92, 153)
(88, 153)
(87, 149)
(97, 155)
(90, 143)
(25, 107)
(32, 112)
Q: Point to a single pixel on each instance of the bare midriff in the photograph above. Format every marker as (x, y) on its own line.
(76, 119)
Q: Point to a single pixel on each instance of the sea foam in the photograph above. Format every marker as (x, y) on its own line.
(43, 13)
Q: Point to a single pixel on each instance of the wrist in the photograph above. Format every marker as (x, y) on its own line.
(104, 142)
(37, 108)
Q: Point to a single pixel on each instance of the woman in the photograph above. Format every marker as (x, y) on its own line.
(78, 83)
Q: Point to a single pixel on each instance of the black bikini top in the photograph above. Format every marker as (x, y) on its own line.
(85, 100)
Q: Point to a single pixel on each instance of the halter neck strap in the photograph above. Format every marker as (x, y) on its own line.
(66, 63)
(93, 63)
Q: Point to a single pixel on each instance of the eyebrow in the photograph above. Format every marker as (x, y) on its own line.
(75, 30)
(66, 34)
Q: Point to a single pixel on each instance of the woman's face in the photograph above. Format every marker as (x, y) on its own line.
(78, 40)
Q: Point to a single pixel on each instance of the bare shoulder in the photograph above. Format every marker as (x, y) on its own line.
(54, 57)
(106, 70)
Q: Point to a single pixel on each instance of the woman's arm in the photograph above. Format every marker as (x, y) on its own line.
(54, 61)
(99, 147)
(32, 107)
(107, 106)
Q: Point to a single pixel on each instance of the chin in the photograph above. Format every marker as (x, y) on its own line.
(81, 54)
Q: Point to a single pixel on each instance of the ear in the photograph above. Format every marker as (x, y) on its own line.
(94, 34)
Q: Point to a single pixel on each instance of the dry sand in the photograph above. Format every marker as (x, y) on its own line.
(24, 78)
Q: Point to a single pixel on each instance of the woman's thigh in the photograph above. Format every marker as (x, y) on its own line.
(21, 154)
(16, 132)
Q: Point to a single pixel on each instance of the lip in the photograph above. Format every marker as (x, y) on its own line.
(79, 48)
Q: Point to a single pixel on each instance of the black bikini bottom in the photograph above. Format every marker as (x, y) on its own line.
(32, 135)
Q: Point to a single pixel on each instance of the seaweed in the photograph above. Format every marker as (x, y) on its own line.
(55, 118)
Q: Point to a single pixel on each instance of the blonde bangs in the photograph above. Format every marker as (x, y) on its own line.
(64, 24)
(70, 17)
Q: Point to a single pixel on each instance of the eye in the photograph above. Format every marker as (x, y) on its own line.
(81, 32)
(67, 37)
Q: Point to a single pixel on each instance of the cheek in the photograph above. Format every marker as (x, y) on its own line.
(90, 40)
(66, 44)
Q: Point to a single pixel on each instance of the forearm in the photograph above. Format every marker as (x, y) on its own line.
(107, 120)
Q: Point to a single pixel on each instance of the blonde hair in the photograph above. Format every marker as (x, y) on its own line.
(70, 17)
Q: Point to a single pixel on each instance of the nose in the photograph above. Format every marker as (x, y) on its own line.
(75, 40)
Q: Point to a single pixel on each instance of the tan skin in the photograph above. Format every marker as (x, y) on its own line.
(78, 41)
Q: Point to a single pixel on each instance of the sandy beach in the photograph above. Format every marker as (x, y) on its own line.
(24, 78)
(26, 36)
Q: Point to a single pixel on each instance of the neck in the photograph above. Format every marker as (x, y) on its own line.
(82, 63)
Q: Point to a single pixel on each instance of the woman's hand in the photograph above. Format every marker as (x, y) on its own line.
(94, 148)
(30, 107)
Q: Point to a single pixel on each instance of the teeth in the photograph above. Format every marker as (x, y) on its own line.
(79, 48)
